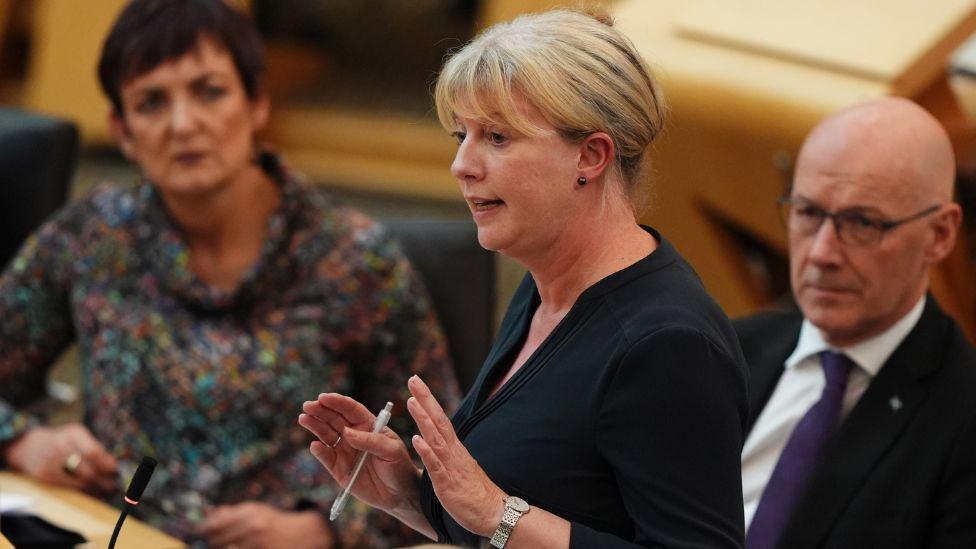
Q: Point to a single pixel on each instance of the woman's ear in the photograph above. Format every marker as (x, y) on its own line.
(260, 110)
(596, 154)
(120, 134)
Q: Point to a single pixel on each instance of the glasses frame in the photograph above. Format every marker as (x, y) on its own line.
(787, 204)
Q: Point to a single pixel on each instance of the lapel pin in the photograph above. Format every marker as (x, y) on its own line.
(895, 403)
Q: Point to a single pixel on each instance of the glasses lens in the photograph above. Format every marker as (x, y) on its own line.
(857, 230)
(805, 219)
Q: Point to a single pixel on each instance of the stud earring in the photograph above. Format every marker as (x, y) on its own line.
(581, 180)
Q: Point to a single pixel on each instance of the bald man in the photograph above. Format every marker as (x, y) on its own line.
(862, 427)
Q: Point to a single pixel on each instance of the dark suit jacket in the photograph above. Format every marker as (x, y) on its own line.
(901, 469)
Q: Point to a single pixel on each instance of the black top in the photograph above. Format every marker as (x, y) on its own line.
(627, 421)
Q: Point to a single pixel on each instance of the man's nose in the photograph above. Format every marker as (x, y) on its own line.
(826, 247)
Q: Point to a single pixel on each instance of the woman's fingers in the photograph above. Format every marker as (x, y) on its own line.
(99, 467)
(334, 453)
(384, 445)
(433, 423)
(343, 427)
(349, 409)
(327, 457)
(94, 468)
(425, 424)
(433, 464)
(328, 415)
(322, 430)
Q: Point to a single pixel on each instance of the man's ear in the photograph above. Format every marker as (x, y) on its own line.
(945, 227)
(120, 134)
(597, 152)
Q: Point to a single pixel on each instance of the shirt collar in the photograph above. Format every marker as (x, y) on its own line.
(870, 354)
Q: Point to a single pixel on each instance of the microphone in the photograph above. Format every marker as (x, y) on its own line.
(134, 493)
(139, 480)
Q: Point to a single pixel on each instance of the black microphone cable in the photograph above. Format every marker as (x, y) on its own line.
(136, 487)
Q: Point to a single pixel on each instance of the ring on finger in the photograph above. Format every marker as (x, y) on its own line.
(71, 464)
(336, 443)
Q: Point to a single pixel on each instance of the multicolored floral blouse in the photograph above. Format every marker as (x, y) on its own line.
(208, 382)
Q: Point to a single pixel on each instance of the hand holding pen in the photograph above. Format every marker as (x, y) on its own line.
(340, 502)
(389, 480)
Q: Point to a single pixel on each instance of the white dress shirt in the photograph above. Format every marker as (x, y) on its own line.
(799, 388)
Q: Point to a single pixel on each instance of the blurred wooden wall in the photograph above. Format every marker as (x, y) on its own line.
(746, 81)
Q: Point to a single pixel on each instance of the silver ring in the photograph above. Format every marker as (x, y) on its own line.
(71, 464)
(336, 443)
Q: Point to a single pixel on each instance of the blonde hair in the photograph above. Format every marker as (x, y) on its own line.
(582, 74)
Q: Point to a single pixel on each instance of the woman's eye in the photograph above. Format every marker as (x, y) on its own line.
(496, 138)
(149, 104)
(212, 93)
(459, 136)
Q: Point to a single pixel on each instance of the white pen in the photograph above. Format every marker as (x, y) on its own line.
(381, 420)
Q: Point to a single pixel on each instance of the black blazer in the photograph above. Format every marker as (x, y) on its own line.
(901, 469)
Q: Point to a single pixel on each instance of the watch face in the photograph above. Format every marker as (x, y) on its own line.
(518, 504)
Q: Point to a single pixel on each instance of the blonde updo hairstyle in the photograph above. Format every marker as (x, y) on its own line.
(582, 74)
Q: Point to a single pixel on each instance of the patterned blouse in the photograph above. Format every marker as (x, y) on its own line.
(208, 382)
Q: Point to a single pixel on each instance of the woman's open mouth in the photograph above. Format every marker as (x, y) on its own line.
(188, 158)
(485, 205)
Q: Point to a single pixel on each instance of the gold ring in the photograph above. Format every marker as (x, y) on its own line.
(336, 443)
(71, 464)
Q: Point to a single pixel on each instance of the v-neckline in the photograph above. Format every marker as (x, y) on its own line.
(513, 345)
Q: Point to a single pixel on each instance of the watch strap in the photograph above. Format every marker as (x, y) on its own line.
(510, 517)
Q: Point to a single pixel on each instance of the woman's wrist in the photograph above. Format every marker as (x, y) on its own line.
(14, 448)
(408, 509)
(494, 511)
(407, 500)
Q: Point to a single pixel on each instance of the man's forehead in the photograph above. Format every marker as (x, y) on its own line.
(853, 189)
(853, 170)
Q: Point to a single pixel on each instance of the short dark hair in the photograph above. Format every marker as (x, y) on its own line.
(150, 32)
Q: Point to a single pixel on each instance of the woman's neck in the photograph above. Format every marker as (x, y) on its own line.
(225, 229)
(586, 253)
(217, 217)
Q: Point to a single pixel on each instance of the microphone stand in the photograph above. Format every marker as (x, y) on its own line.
(136, 486)
(118, 525)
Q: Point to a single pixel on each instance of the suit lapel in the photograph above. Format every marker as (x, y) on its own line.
(766, 364)
(869, 431)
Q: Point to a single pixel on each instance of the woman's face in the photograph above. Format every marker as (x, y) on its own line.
(521, 190)
(188, 123)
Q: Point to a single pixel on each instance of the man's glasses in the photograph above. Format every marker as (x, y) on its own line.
(852, 227)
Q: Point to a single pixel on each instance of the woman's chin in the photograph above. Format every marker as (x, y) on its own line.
(189, 186)
(492, 239)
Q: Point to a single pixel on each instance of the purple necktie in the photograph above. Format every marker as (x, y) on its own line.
(800, 456)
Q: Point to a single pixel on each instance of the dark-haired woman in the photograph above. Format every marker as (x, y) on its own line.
(206, 302)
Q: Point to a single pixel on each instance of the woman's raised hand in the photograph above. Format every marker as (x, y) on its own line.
(389, 480)
(462, 486)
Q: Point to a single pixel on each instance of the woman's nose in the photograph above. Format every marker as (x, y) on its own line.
(183, 116)
(467, 164)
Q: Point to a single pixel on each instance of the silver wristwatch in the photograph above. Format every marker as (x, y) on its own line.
(514, 509)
